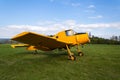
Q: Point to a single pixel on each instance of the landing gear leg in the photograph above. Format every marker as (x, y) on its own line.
(79, 51)
(71, 55)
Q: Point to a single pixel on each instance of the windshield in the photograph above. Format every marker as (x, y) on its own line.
(69, 32)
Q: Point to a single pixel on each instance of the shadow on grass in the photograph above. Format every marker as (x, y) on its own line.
(42, 55)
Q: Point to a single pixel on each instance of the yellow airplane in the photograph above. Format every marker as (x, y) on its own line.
(64, 39)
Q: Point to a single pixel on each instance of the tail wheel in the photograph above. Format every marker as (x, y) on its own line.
(80, 54)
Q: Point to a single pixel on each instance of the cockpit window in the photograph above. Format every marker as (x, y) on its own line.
(70, 32)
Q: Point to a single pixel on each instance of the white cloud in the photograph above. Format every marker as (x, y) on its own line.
(42, 23)
(96, 17)
(100, 25)
(70, 22)
(91, 6)
(75, 4)
(70, 3)
(54, 27)
(90, 11)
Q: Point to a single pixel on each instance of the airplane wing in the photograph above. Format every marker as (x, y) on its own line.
(38, 40)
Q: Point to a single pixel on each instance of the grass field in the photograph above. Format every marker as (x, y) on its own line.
(100, 62)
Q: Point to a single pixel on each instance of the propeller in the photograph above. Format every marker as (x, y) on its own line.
(90, 35)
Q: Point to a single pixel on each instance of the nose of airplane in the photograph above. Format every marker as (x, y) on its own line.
(82, 38)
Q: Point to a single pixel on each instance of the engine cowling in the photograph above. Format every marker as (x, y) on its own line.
(82, 38)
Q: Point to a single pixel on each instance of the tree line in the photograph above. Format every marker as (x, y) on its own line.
(99, 40)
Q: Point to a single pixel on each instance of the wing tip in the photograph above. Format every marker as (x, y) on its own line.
(19, 35)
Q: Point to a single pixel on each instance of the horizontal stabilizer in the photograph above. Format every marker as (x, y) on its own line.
(19, 45)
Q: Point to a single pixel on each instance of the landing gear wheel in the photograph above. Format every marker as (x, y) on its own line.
(80, 54)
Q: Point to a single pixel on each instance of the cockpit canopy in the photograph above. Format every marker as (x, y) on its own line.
(70, 32)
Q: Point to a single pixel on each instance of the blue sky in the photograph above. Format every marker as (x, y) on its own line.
(100, 17)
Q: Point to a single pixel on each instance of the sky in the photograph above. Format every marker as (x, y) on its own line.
(99, 17)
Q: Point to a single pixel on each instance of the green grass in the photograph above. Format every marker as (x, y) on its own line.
(100, 62)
